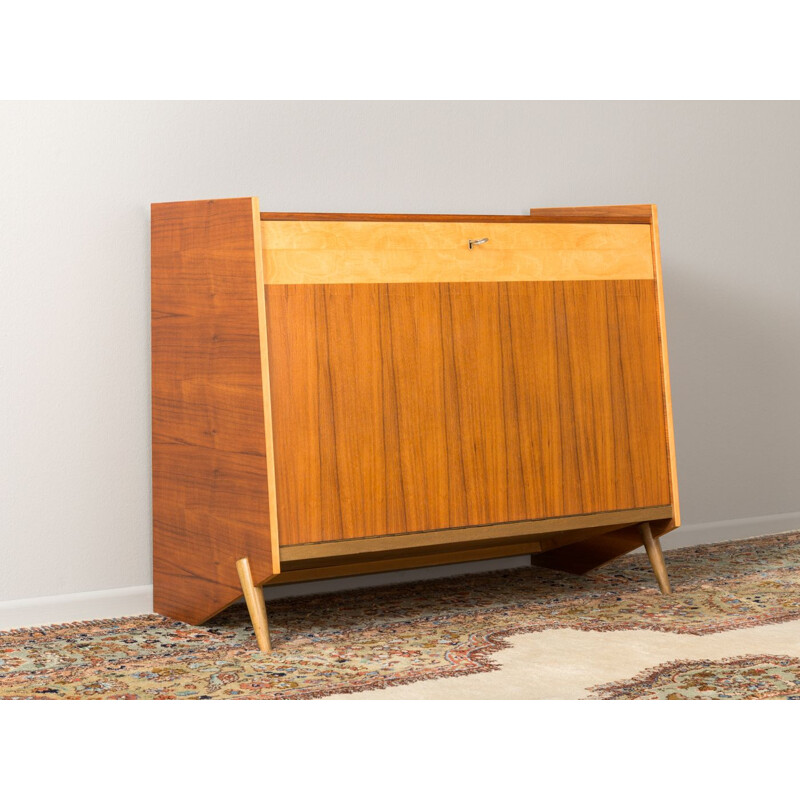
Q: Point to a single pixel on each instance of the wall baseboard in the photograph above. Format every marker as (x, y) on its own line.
(57, 609)
(135, 600)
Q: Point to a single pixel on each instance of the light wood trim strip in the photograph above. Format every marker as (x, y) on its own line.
(302, 252)
(630, 215)
(662, 334)
(408, 562)
(270, 448)
(376, 544)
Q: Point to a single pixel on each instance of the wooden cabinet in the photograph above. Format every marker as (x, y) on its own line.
(342, 394)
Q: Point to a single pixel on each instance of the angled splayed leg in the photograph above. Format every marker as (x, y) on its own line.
(656, 556)
(254, 597)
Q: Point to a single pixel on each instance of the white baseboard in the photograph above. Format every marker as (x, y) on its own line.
(730, 530)
(37, 611)
(134, 600)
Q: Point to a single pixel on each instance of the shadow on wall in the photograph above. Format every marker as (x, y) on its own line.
(734, 350)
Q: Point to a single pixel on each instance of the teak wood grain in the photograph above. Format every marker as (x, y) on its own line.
(415, 407)
(210, 475)
(438, 252)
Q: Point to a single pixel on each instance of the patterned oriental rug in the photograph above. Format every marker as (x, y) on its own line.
(731, 630)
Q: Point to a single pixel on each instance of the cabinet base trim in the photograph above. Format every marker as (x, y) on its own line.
(392, 564)
(486, 533)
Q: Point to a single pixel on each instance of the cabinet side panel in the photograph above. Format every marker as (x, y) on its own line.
(210, 477)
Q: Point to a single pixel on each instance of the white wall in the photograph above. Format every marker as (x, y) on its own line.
(76, 182)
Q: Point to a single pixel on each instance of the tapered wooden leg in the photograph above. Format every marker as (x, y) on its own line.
(656, 556)
(254, 597)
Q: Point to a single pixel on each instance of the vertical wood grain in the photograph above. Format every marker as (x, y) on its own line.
(409, 407)
(210, 474)
(583, 556)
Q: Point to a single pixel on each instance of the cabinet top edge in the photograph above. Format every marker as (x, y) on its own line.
(612, 215)
(641, 214)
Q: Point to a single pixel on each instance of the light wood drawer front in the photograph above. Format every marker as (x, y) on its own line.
(307, 252)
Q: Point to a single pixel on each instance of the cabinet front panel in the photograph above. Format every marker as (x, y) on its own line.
(411, 407)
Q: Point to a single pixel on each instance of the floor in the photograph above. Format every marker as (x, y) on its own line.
(563, 664)
(729, 630)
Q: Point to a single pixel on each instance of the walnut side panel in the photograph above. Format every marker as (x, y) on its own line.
(401, 408)
(210, 476)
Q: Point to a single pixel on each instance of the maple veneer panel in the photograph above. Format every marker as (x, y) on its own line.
(339, 251)
(410, 407)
